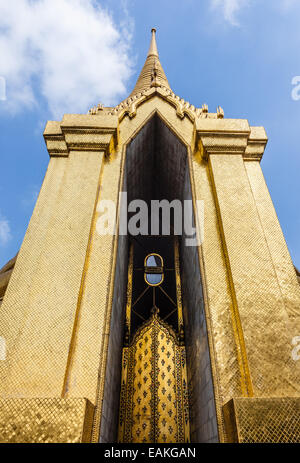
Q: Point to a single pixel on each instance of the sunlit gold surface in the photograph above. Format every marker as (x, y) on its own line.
(275, 420)
(45, 421)
(152, 73)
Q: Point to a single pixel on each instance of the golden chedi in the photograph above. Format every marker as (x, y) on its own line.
(142, 338)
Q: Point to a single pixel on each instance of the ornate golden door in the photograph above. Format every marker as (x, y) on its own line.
(154, 397)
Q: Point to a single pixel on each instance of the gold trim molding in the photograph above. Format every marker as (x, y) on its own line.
(230, 136)
(82, 133)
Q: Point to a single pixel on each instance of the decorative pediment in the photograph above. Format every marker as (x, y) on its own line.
(183, 108)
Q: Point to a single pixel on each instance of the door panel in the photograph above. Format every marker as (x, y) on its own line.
(154, 399)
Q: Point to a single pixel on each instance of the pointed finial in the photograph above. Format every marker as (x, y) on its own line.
(152, 74)
(153, 46)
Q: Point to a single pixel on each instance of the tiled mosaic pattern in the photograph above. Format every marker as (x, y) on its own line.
(45, 420)
(250, 420)
(39, 308)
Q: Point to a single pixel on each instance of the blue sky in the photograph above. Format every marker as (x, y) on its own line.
(62, 56)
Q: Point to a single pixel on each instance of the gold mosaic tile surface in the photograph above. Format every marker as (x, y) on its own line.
(219, 305)
(38, 312)
(45, 420)
(283, 265)
(260, 313)
(273, 420)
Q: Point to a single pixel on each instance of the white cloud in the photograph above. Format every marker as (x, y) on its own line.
(230, 9)
(70, 51)
(5, 234)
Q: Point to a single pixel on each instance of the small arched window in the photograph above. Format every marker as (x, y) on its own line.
(154, 269)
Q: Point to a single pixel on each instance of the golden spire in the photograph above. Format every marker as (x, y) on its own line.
(152, 74)
(153, 46)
